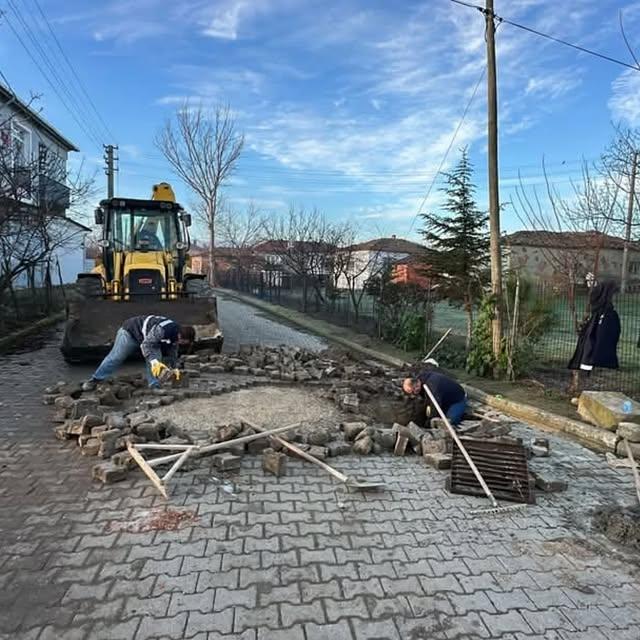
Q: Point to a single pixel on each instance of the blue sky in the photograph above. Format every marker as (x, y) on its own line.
(347, 106)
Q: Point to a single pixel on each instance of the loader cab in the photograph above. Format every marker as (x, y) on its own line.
(145, 244)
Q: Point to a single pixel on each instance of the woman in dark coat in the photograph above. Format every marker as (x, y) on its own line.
(598, 338)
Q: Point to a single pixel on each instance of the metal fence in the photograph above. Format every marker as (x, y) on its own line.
(551, 350)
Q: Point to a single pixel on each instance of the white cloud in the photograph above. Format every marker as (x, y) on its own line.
(624, 103)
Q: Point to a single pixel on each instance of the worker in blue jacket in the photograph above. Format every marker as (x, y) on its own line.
(449, 394)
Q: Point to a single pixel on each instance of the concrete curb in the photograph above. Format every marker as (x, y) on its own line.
(309, 326)
(17, 336)
(586, 434)
(590, 436)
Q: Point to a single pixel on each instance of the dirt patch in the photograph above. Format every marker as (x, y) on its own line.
(268, 406)
(619, 525)
(156, 520)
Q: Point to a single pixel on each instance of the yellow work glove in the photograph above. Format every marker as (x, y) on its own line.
(177, 374)
(157, 368)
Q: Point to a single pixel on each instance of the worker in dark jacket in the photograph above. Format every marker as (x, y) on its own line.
(449, 394)
(598, 338)
(158, 339)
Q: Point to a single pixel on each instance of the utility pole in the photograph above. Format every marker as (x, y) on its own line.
(494, 197)
(110, 168)
(627, 234)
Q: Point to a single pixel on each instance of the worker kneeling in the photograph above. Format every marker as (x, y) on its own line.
(448, 393)
(157, 337)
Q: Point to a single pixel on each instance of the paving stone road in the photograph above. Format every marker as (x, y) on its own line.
(295, 557)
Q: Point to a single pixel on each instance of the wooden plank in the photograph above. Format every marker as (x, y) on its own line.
(178, 463)
(151, 445)
(147, 470)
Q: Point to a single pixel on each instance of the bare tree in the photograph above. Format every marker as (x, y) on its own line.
(619, 163)
(241, 230)
(357, 268)
(304, 243)
(203, 149)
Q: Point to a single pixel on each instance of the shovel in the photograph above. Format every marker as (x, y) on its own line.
(349, 481)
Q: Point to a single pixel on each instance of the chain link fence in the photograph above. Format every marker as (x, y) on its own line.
(564, 309)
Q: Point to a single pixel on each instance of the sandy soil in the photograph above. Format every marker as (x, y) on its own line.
(266, 406)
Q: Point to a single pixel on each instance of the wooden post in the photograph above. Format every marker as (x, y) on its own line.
(627, 233)
(494, 197)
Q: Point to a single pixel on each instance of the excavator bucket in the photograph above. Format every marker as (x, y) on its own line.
(92, 323)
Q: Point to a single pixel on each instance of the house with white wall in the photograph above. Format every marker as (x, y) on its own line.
(367, 259)
(33, 182)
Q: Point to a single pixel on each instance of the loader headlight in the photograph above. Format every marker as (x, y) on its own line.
(180, 246)
(104, 244)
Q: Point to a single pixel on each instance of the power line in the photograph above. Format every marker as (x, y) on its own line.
(73, 71)
(566, 43)
(75, 114)
(446, 153)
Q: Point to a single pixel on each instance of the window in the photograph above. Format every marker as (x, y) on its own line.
(21, 143)
(634, 266)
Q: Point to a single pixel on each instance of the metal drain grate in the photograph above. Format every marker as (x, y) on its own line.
(502, 465)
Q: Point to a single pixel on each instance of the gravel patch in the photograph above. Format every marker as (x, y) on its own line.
(265, 406)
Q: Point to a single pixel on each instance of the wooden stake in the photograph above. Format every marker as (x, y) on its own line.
(147, 470)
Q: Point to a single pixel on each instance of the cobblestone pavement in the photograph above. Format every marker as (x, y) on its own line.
(297, 557)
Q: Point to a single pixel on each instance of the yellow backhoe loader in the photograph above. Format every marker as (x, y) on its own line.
(144, 268)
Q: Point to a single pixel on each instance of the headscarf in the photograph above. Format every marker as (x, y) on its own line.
(601, 297)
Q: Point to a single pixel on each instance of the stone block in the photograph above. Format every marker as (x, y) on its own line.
(226, 461)
(629, 430)
(123, 459)
(83, 407)
(338, 448)
(274, 462)
(91, 447)
(318, 437)
(116, 421)
(431, 445)
(401, 445)
(107, 473)
(139, 417)
(63, 402)
(110, 434)
(350, 402)
(386, 438)
(550, 485)
(363, 446)
(540, 447)
(352, 429)
(415, 434)
(438, 460)
(321, 453)
(108, 398)
(605, 408)
(257, 446)
(149, 431)
(228, 432)
(61, 432)
(60, 415)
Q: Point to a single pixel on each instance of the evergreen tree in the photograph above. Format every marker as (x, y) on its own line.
(458, 240)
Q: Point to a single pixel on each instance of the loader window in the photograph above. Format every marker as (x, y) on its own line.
(144, 231)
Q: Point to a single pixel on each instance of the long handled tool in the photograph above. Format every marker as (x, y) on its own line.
(437, 344)
(349, 481)
(186, 451)
(634, 467)
(495, 508)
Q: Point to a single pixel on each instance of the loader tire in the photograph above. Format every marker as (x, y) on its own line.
(198, 288)
(89, 287)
